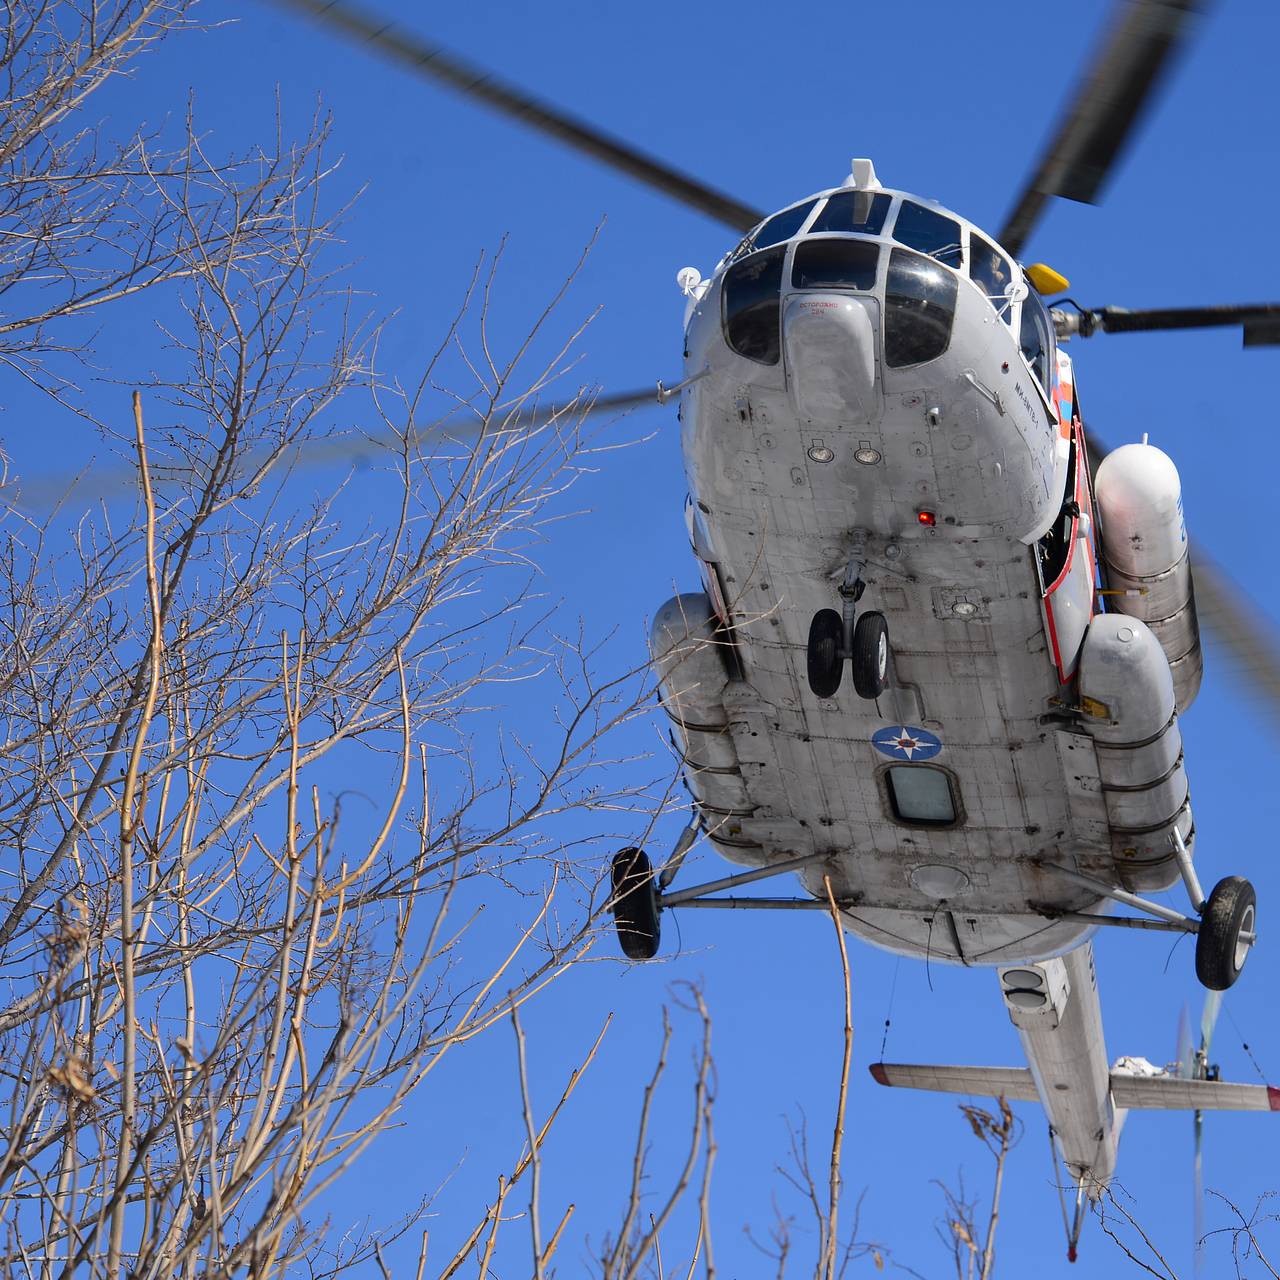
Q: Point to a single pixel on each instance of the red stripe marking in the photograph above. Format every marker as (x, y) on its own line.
(879, 1075)
(1273, 1097)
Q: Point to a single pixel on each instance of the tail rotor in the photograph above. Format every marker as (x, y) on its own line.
(1193, 1064)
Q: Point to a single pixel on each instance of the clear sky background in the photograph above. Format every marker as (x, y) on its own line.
(769, 103)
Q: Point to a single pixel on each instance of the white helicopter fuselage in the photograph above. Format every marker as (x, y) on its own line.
(958, 482)
(858, 397)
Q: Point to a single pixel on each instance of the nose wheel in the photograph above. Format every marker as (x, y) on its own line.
(826, 653)
(863, 639)
(870, 656)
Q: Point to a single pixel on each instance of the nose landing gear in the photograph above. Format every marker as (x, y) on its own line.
(864, 640)
(870, 655)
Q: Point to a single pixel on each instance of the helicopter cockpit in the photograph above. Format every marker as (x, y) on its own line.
(910, 254)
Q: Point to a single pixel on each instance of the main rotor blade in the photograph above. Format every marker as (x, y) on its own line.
(1105, 109)
(1239, 627)
(1260, 320)
(40, 493)
(472, 82)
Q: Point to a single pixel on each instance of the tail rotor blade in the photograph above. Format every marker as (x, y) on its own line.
(1208, 1020)
(1198, 1209)
(1185, 1052)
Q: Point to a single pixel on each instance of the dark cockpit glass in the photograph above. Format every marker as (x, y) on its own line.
(751, 302)
(782, 226)
(989, 269)
(854, 212)
(930, 232)
(920, 304)
(1035, 338)
(835, 264)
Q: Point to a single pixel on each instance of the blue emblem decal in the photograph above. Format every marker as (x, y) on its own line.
(905, 742)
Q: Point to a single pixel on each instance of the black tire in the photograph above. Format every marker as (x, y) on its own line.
(871, 655)
(1220, 953)
(635, 904)
(826, 666)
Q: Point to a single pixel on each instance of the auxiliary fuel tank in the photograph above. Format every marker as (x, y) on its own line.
(1144, 537)
(687, 654)
(1126, 690)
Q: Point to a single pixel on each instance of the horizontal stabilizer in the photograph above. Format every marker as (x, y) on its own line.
(1173, 1093)
(1013, 1083)
(1146, 1092)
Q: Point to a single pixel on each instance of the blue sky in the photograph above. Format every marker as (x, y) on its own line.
(768, 104)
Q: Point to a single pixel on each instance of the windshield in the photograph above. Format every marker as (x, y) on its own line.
(782, 226)
(835, 264)
(989, 269)
(854, 212)
(752, 308)
(930, 232)
(1036, 338)
(920, 303)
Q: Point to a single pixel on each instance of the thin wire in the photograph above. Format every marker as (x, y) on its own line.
(675, 916)
(893, 990)
(1177, 942)
(1226, 1008)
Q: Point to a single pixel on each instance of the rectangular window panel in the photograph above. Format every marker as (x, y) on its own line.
(920, 793)
(931, 233)
(835, 264)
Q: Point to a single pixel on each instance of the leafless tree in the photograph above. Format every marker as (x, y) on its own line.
(221, 973)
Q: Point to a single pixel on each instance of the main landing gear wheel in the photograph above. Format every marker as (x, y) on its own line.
(1232, 910)
(635, 904)
(826, 662)
(871, 655)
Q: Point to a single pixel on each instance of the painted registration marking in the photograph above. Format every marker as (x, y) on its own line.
(906, 742)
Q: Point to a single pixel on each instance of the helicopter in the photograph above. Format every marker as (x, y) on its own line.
(891, 481)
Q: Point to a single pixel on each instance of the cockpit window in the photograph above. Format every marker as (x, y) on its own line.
(989, 269)
(931, 233)
(782, 226)
(1035, 338)
(859, 213)
(835, 264)
(752, 306)
(920, 303)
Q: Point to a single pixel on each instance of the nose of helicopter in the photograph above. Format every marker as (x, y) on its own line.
(831, 357)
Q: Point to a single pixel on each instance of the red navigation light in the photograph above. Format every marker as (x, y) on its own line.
(927, 518)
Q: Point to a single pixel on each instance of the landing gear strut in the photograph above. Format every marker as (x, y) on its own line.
(1225, 931)
(1228, 921)
(864, 640)
(640, 894)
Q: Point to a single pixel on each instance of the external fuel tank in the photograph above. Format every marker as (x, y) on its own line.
(1144, 540)
(1126, 691)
